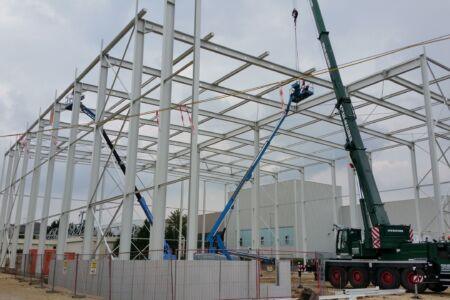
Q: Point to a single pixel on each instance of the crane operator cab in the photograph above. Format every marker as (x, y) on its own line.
(348, 241)
(301, 92)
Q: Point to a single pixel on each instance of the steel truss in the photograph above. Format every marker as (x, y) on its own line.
(223, 157)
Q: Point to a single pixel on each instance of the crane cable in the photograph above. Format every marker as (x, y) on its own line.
(297, 60)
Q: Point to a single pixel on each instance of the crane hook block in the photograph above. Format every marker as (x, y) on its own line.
(300, 92)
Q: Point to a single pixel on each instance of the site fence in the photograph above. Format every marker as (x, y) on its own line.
(109, 277)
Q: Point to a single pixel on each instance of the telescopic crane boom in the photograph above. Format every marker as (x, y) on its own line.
(354, 144)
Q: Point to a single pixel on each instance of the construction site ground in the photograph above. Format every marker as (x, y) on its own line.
(13, 289)
(308, 281)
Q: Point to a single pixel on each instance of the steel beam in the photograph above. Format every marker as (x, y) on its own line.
(29, 228)
(133, 133)
(70, 170)
(194, 169)
(334, 196)
(20, 195)
(304, 237)
(160, 191)
(255, 197)
(6, 191)
(416, 188)
(48, 184)
(9, 205)
(93, 63)
(276, 223)
(352, 195)
(432, 146)
(96, 153)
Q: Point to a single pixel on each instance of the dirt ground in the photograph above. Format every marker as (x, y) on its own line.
(308, 281)
(12, 289)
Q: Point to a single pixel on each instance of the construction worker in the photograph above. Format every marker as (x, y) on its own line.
(300, 268)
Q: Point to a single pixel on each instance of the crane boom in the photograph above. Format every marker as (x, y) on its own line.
(354, 144)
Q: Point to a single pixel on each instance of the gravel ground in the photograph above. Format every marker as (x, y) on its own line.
(12, 289)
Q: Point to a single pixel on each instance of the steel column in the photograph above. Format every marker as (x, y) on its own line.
(352, 195)
(334, 206)
(162, 160)
(70, 170)
(100, 215)
(256, 240)
(204, 216)
(416, 187)
(20, 195)
(238, 224)
(432, 145)
(9, 204)
(180, 221)
(48, 183)
(6, 188)
(276, 224)
(303, 214)
(133, 133)
(96, 153)
(296, 217)
(29, 227)
(194, 168)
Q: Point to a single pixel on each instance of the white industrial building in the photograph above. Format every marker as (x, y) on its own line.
(311, 229)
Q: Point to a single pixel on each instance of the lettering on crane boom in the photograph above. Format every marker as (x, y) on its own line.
(395, 230)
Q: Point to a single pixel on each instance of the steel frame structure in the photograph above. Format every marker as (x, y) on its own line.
(207, 155)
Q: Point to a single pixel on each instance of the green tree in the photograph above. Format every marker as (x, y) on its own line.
(141, 239)
(171, 232)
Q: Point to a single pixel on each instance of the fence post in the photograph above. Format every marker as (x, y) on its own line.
(110, 289)
(42, 271)
(75, 295)
(258, 278)
(52, 291)
(30, 265)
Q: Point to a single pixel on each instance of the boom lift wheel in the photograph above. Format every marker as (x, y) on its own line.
(388, 278)
(338, 277)
(358, 277)
(407, 280)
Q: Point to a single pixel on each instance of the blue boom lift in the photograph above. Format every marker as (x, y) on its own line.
(167, 250)
(298, 93)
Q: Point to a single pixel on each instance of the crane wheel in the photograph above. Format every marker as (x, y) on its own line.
(388, 278)
(358, 277)
(437, 287)
(338, 277)
(407, 280)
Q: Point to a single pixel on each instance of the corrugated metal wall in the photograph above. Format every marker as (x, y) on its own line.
(143, 280)
(318, 204)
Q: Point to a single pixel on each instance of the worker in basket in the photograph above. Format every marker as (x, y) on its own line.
(301, 92)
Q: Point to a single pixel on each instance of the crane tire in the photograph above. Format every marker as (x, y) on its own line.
(338, 277)
(388, 278)
(408, 283)
(358, 277)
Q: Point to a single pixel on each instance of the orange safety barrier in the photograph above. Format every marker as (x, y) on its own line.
(48, 255)
(69, 255)
(32, 262)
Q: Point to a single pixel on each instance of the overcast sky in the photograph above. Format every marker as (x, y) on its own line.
(42, 42)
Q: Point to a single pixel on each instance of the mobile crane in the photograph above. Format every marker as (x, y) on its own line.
(387, 255)
(167, 250)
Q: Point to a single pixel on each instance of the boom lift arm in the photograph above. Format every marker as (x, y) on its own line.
(167, 250)
(298, 93)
